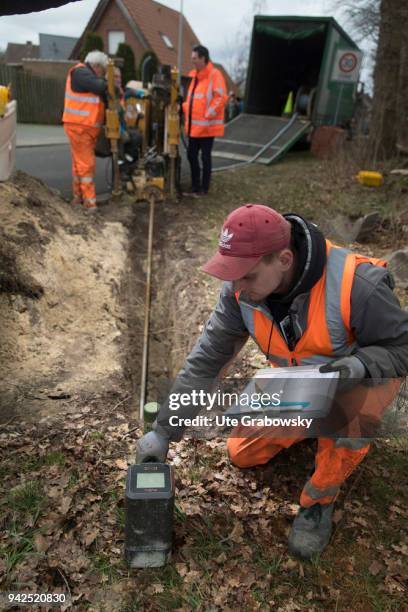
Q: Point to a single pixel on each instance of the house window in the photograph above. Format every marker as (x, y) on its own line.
(114, 38)
(167, 41)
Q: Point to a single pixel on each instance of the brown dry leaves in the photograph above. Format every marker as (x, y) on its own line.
(80, 467)
(231, 526)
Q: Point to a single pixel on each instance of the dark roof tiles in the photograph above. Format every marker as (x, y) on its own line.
(155, 19)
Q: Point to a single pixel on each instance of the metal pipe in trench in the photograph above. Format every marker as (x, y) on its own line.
(147, 310)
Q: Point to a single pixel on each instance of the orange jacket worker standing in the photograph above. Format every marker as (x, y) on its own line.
(204, 116)
(84, 113)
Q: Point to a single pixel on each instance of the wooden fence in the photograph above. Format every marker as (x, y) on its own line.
(39, 99)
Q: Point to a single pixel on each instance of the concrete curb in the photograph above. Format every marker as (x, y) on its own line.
(23, 145)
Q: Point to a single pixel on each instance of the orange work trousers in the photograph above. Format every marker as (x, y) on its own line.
(83, 139)
(335, 460)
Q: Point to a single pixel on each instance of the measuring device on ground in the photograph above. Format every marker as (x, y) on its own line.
(149, 505)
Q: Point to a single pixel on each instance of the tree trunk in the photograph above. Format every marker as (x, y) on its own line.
(389, 78)
(402, 104)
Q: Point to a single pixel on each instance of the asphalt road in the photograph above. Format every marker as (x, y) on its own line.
(52, 164)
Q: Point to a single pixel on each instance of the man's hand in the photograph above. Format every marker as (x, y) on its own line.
(153, 446)
(352, 371)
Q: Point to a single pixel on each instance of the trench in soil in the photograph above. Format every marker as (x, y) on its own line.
(79, 343)
(180, 302)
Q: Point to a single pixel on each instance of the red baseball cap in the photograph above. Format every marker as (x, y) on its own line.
(248, 233)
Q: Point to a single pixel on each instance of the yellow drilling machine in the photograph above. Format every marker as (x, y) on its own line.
(149, 117)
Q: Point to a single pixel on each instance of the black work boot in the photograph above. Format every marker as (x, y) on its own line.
(311, 530)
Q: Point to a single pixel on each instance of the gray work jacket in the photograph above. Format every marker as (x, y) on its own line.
(379, 325)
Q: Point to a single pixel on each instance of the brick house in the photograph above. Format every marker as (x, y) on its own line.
(144, 25)
(16, 51)
(48, 59)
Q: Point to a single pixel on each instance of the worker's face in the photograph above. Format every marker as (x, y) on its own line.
(265, 278)
(197, 61)
(117, 78)
(99, 70)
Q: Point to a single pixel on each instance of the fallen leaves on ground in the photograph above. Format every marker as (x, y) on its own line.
(230, 533)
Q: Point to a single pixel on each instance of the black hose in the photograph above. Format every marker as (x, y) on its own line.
(109, 176)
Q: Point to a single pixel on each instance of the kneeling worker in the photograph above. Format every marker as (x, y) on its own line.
(84, 114)
(305, 302)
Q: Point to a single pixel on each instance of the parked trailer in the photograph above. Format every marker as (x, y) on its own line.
(313, 58)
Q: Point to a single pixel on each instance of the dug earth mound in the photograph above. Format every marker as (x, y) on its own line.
(72, 291)
(63, 305)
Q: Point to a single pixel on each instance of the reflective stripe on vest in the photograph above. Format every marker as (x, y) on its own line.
(335, 267)
(210, 91)
(328, 333)
(75, 111)
(210, 96)
(82, 108)
(82, 98)
(207, 122)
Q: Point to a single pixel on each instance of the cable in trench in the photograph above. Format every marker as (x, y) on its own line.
(145, 354)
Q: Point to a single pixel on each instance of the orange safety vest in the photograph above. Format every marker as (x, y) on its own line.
(208, 100)
(85, 109)
(328, 334)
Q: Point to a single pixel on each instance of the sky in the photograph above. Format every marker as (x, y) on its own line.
(217, 23)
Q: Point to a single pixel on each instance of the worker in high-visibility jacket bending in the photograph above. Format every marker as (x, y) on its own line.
(204, 117)
(306, 302)
(84, 114)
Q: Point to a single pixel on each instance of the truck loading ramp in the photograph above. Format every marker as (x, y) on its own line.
(260, 138)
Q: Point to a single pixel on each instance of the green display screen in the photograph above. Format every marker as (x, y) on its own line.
(150, 480)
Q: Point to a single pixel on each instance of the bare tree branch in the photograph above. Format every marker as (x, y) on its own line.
(238, 44)
(361, 16)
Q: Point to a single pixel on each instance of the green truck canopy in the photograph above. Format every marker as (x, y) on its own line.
(298, 54)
